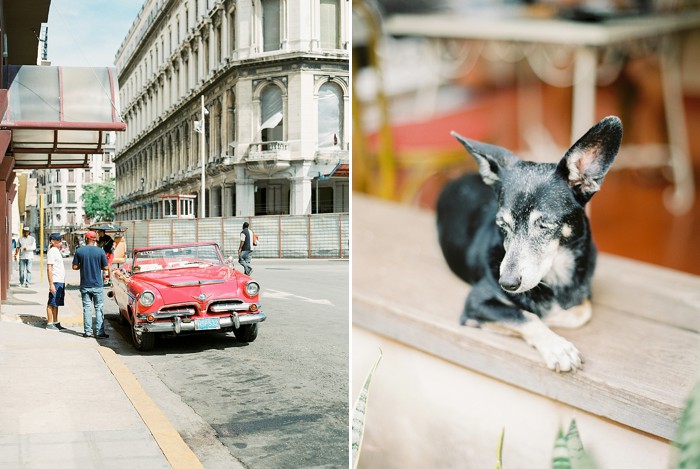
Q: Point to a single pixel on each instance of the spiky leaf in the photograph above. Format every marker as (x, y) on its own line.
(499, 450)
(360, 413)
(560, 455)
(689, 433)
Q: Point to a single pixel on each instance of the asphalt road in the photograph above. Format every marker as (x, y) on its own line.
(281, 401)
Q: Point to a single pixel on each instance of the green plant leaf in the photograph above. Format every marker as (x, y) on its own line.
(360, 413)
(499, 450)
(560, 455)
(578, 456)
(689, 433)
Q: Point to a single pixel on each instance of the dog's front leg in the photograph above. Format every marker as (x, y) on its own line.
(493, 310)
(559, 354)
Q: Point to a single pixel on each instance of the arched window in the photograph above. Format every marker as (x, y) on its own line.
(271, 114)
(330, 24)
(271, 21)
(330, 115)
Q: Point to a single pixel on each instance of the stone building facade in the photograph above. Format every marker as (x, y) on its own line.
(275, 79)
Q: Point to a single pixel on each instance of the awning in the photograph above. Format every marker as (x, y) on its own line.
(59, 116)
(341, 170)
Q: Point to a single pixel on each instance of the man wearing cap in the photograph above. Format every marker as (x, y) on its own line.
(56, 274)
(25, 251)
(91, 261)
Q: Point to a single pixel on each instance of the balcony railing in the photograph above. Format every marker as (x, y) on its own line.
(265, 150)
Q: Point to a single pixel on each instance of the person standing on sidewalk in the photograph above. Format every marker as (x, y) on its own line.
(56, 274)
(245, 249)
(106, 242)
(25, 249)
(91, 261)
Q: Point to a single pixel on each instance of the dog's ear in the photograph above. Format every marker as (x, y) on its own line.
(587, 161)
(491, 158)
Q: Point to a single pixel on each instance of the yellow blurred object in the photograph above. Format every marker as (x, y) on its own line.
(366, 165)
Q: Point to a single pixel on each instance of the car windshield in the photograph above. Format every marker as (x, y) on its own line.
(176, 258)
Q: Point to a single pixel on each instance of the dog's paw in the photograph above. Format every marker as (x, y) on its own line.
(559, 354)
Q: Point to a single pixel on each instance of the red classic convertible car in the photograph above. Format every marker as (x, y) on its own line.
(185, 288)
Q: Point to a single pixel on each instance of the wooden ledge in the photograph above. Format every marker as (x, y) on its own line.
(642, 347)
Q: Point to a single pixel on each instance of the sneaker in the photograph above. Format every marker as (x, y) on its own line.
(104, 335)
(59, 326)
(51, 326)
(86, 335)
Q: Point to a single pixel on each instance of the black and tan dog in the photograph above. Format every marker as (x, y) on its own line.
(518, 233)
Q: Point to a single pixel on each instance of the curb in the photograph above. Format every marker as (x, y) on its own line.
(176, 451)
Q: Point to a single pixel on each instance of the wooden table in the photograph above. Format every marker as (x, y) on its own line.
(642, 347)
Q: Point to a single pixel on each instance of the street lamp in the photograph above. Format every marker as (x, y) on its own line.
(200, 127)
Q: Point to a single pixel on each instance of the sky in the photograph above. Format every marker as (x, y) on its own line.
(88, 33)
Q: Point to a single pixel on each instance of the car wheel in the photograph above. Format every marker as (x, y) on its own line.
(142, 340)
(246, 333)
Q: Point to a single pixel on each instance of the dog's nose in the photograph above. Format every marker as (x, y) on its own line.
(510, 282)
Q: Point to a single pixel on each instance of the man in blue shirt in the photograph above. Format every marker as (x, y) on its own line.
(91, 261)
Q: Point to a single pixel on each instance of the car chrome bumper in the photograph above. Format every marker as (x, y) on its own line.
(177, 325)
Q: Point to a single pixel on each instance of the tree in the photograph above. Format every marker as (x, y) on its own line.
(98, 200)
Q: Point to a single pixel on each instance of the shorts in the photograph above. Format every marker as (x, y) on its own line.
(56, 299)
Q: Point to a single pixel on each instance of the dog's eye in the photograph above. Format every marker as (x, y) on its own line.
(547, 226)
(502, 224)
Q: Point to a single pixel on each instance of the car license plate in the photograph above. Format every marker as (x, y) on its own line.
(207, 324)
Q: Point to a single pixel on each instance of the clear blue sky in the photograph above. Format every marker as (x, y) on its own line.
(87, 33)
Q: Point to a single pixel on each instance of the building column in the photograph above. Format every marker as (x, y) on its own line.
(227, 207)
(245, 198)
(225, 52)
(300, 203)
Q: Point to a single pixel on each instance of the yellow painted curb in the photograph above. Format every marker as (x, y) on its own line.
(176, 451)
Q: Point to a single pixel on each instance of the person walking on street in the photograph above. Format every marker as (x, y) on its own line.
(25, 249)
(91, 261)
(56, 274)
(245, 249)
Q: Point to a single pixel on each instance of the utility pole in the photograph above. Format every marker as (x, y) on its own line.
(200, 126)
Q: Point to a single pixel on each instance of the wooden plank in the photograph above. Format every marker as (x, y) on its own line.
(654, 292)
(639, 367)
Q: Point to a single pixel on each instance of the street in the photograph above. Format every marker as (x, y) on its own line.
(281, 401)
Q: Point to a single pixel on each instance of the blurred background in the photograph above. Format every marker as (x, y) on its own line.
(533, 77)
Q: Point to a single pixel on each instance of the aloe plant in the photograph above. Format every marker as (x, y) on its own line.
(568, 450)
(689, 433)
(360, 413)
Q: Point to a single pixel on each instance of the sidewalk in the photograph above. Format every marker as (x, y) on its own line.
(70, 402)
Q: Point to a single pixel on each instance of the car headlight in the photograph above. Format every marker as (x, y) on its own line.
(252, 288)
(147, 298)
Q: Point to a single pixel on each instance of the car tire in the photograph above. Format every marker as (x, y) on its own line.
(142, 341)
(246, 333)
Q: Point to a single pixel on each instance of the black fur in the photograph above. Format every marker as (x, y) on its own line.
(473, 243)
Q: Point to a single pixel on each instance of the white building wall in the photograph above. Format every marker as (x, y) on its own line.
(163, 71)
